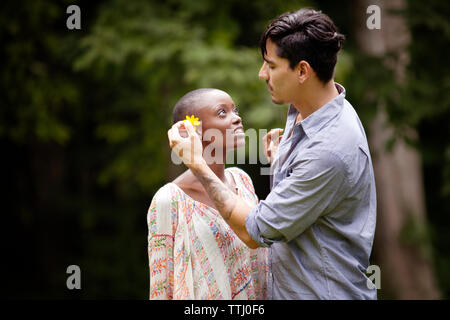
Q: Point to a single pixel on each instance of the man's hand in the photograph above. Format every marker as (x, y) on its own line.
(189, 148)
(233, 209)
(271, 141)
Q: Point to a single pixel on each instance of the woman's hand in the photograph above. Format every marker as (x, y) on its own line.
(188, 148)
(271, 141)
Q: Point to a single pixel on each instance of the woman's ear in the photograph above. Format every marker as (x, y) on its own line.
(199, 130)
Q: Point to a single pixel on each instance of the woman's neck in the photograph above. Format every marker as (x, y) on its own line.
(219, 171)
(218, 167)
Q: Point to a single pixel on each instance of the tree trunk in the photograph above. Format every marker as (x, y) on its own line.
(401, 246)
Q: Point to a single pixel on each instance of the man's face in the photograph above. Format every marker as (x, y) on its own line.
(281, 80)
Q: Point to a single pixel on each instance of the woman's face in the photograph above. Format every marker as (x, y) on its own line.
(221, 123)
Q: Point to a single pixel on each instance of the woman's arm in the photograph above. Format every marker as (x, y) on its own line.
(160, 246)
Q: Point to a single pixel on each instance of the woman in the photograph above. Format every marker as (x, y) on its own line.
(193, 253)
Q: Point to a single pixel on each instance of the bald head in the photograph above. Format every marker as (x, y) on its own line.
(188, 103)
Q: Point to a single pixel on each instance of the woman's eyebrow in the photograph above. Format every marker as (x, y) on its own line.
(222, 105)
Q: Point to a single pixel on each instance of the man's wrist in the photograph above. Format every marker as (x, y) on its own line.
(198, 166)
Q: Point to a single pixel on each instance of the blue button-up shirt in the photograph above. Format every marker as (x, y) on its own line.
(319, 218)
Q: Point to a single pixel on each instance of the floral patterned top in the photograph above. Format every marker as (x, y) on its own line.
(194, 254)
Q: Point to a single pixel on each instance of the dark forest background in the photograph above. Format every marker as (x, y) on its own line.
(84, 116)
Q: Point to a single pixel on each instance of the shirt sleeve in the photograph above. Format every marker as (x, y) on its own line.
(161, 220)
(311, 188)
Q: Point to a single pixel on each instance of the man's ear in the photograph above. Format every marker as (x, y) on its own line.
(303, 71)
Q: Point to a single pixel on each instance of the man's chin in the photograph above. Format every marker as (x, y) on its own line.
(276, 101)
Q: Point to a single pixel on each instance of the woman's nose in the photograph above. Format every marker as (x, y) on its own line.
(237, 119)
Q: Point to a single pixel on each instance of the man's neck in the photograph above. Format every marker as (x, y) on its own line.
(318, 95)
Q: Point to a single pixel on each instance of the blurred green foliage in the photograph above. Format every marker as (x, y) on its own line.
(421, 102)
(84, 118)
(427, 108)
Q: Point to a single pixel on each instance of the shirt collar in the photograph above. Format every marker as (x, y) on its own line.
(315, 121)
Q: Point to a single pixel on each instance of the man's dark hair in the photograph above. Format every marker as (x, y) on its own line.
(307, 35)
(187, 104)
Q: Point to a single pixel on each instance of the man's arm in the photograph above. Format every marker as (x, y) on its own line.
(233, 209)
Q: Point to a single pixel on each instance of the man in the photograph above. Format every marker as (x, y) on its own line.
(319, 218)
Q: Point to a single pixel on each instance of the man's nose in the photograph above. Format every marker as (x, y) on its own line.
(263, 72)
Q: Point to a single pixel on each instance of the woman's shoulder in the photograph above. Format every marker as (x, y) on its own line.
(243, 176)
(169, 194)
(169, 188)
(162, 215)
(165, 205)
(239, 172)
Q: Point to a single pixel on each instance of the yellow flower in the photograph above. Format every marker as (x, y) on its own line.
(193, 120)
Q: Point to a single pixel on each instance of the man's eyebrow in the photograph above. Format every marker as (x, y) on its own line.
(268, 60)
